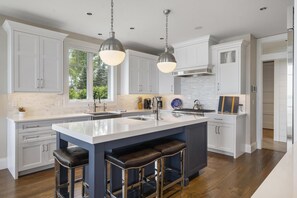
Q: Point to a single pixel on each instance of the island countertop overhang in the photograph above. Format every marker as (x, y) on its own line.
(100, 131)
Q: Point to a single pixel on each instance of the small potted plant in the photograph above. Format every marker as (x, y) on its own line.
(22, 112)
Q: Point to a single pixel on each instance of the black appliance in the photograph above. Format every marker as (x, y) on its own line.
(147, 103)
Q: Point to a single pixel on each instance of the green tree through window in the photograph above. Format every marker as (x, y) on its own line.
(79, 65)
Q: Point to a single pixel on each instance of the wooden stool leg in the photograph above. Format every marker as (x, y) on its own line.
(72, 178)
(124, 183)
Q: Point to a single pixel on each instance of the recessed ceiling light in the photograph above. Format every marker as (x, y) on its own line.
(100, 34)
(263, 8)
(198, 28)
(89, 13)
(132, 28)
(161, 38)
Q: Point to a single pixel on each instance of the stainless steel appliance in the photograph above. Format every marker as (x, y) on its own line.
(200, 112)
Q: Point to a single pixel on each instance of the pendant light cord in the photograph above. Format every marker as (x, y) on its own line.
(166, 45)
(111, 25)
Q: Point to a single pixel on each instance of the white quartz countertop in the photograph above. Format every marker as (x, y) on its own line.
(18, 119)
(282, 181)
(99, 131)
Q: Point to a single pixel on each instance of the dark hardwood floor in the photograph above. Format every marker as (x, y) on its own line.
(223, 177)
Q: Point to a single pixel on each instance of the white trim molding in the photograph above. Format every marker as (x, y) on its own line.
(3, 163)
(250, 148)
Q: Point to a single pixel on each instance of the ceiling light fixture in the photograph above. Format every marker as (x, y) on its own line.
(111, 50)
(166, 62)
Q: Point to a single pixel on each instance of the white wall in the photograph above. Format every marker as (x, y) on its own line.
(268, 95)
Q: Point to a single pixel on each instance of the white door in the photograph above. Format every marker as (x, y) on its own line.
(154, 77)
(226, 138)
(31, 155)
(166, 83)
(134, 86)
(26, 62)
(144, 76)
(228, 72)
(212, 135)
(51, 65)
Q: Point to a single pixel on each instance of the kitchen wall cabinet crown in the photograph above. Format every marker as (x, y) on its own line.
(193, 53)
(230, 60)
(139, 73)
(35, 58)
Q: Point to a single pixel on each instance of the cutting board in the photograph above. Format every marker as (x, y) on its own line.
(228, 104)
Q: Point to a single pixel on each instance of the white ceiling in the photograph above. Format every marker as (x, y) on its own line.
(220, 18)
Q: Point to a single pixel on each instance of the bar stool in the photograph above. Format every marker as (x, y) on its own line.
(171, 148)
(133, 158)
(71, 158)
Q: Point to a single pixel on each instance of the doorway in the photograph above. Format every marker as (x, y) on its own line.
(274, 105)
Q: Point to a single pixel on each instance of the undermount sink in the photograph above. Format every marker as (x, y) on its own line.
(140, 118)
(102, 113)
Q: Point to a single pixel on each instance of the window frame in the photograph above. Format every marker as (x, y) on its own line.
(112, 77)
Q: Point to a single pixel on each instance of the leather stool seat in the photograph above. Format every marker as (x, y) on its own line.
(138, 158)
(72, 156)
(169, 147)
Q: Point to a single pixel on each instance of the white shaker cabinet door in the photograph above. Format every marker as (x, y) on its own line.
(26, 62)
(51, 65)
(134, 86)
(154, 77)
(212, 139)
(31, 155)
(144, 75)
(226, 138)
(50, 147)
(166, 83)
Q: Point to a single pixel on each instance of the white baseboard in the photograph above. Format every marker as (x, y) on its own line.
(3, 163)
(249, 148)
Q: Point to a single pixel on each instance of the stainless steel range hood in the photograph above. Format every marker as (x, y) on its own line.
(196, 71)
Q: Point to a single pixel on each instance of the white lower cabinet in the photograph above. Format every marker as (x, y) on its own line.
(30, 145)
(226, 134)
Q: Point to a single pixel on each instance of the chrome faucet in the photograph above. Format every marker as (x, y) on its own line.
(104, 107)
(197, 105)
(156, 106)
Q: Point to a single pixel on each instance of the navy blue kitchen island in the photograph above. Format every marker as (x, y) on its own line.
(103, 136)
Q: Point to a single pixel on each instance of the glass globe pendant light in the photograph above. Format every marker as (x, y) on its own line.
(166, 62)
(111, 50)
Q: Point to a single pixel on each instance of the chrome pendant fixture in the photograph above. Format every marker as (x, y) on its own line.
(111, 50)
(166, 62)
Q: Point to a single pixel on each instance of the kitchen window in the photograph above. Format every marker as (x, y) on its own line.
(88, 76)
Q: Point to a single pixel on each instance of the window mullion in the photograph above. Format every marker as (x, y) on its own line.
(90, 76)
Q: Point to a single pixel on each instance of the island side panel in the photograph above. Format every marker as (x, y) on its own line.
(196, 153)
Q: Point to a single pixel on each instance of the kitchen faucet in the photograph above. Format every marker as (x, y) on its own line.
(197, 105)
(156, 106)
(104, 107)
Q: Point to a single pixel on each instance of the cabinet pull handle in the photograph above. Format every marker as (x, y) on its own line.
(38, 83)
(218, 119)
(47, 147)
(218, 86)
(32, 137)
(31, 127)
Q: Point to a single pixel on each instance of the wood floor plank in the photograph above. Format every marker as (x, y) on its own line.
(223, 177)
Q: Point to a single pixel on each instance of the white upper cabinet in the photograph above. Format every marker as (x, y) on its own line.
(193, 53)
(229, 59)
(35, 58)
(139, 74)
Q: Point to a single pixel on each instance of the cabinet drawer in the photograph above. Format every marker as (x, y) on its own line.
(37, 136)
(222, 119)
